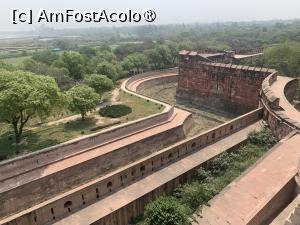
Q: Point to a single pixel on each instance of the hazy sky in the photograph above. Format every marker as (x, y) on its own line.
(168, 11)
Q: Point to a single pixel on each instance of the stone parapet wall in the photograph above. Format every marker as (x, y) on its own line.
(274, 115)
(99, 188)
(148, 74)
(154, 82)
(55, 153)
(267, 94)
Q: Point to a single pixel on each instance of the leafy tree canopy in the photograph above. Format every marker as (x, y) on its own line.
(23, 95)
(108, 69)
(7, 66)
(100, 83)
(74, 62)
(82, 99)
(45, 56)
(59, 74)
(135, 62)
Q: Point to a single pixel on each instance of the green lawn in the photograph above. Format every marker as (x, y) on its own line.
(140, 107)
(43, 137)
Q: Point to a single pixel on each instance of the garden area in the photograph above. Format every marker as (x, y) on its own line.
(36, 138)
(187, 199)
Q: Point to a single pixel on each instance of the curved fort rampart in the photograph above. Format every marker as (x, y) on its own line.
(276, 94)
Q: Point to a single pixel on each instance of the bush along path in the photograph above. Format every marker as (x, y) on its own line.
(115, 111)
(207, 182)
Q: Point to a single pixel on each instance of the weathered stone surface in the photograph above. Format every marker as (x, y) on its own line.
(235, 89)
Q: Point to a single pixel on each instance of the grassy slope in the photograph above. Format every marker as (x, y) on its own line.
(140, 107)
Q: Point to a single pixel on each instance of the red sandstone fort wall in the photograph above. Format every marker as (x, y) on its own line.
(89, 193)
(230, 87)
(43, 157)
(280, 126)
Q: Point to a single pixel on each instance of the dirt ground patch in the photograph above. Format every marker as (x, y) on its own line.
(204, 118)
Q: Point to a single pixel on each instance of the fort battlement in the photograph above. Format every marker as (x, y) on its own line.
(233, 88)
(276, 95)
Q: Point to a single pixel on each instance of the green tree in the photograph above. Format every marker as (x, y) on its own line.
(24, 95)
(174, 50)
(166, 211)
(285, 58)
(108, 69)
(104, 47)
(106, 56)
(7, 66)
(74, 62)
(125, 49)
(87, 50)
(160, 57)
(82, 99)
(102, 56)
(128, 65)
(136, 62)
(45, 56)
(59, 74)
(100, 83)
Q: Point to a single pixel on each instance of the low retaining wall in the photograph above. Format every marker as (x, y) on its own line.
(161, 80)
(280, 126)
(43, 188)
(148, 74)
(91, 192)
(49, 155)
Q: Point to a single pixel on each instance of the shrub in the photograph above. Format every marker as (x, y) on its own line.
(166, 211)
(262, 138)
(115, 111)
(202, 175)
(195, 194)
(220, 164)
